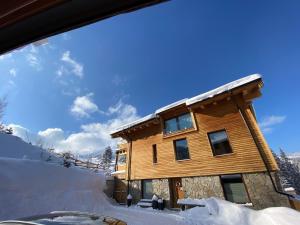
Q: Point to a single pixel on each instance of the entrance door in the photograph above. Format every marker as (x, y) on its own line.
(176, 191)
(120, 190)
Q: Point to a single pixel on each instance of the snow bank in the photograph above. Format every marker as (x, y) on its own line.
(220, 212)
(14, 147)
(33, 187)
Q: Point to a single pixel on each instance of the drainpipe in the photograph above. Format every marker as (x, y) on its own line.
(258, 145)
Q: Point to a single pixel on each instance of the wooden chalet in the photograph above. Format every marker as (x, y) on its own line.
(206, 146)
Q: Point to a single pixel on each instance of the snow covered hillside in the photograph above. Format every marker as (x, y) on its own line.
(46, 187)
(30, 185)
(14, 147)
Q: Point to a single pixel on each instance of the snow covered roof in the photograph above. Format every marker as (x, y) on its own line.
(223, 89)
(170, 106)
(139, 121)
(118, 172)
(190, 101)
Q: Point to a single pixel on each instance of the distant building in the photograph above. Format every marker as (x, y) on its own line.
(208, 145)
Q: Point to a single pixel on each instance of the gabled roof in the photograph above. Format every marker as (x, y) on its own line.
(190, 101)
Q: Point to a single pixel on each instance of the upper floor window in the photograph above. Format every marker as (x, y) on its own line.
(181, 149)
(154, 153)
(181, 122)
(219, 142)
(121, 159)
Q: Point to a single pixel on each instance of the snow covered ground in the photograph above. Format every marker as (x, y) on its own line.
(32, 186)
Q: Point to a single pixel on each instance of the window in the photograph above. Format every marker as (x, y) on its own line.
(219, 142)
(182, 122)
(121, 159)
(154, 153)
(147, 189)
(181, 149)
(234, 188)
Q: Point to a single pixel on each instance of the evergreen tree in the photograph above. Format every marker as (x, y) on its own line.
(106, 159)
(9, 130)
(289, 172)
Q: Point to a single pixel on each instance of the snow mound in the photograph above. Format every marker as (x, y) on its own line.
(220, 212)
(31, 187)
(14, 147)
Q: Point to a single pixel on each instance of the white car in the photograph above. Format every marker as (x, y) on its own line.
(65, 218)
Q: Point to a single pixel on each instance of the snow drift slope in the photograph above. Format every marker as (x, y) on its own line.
(14, 147)
(30, 187)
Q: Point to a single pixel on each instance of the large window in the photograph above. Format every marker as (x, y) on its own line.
(147, 189)
(182, 122)
(121, 159)
(154, 153)
(219, 142)
(181, 149)
(234, 188)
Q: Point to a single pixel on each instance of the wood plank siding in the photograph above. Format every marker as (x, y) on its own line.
(222, 115)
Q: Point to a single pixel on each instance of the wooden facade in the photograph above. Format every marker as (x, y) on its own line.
(233, 114)
(151, 148)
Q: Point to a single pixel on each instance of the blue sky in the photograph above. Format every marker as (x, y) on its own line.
(83, 83)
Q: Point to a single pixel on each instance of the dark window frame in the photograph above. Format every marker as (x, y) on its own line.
(211, 144)
(177, 123)
(143, 191)
(243, 182)
(188, 151)
(154, 153)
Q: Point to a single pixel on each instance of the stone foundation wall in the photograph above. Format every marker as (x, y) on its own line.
(262, 193)
(161, 189)
(258, 185)
(202, 187)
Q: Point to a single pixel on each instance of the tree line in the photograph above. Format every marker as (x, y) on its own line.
(289, 171)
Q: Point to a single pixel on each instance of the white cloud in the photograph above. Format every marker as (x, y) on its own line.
(5, 56)
(92, 137)
(267, 123)
(11, 83)
(34, 61)
(272, 120)
(118, 80)
(22, 132)
(83, 106)
(76, 67)
(51, 136)
(13, 72)
(66, 36)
